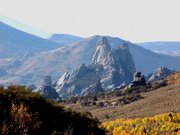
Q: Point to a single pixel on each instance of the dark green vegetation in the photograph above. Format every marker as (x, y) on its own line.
(23, 112)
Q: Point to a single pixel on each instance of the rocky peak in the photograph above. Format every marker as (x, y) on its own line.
(46, 89)
(103, 52)
(159, 74)
(109, 69)
(62, 81)
(47, 81)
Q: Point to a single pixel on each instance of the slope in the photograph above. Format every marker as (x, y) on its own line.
(162, 100)
(14, 42)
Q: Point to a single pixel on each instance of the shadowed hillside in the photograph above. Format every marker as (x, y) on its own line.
(25, 113)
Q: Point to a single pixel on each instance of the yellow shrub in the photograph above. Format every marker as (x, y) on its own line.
(173, 79)
(168, 123)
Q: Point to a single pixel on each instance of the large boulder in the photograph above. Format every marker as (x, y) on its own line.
(139, 80)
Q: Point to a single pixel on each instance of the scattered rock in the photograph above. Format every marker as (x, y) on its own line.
(129, 99)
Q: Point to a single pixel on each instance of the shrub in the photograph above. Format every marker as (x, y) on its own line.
(25, 112)
(168, 124)
(173, 78)
(21, 121)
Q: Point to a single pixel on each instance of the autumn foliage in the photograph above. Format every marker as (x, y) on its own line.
(165, 124)
(21, 121)
(23, 112)
(173, 78)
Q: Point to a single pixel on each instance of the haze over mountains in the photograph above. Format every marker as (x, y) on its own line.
(168, 48)
(43, 59)
(64, 38)
(14, 42)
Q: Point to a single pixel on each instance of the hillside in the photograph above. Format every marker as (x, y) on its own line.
(162, 100)
(14, 42)
(130, 103)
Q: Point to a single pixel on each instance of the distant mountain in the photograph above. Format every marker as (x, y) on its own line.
(64, 39)
(14, 42)
(109, 67)
(32, 68)
(168, 48)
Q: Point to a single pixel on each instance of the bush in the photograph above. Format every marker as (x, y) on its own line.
(162, 124)
(173, 78)
(29, 113)
(21, 121)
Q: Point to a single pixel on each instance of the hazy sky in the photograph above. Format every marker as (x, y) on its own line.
(134, 20)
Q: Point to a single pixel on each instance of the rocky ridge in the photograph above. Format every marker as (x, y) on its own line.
(109, 69)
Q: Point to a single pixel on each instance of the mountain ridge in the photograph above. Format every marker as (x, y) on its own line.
(108, 67)
(30, 70)
(163, 47)
(14, 42)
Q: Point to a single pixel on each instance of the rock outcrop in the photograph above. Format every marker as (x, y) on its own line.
(47, 90)
(159, 74)
(93, 89)
(139, 80)
(109, 68)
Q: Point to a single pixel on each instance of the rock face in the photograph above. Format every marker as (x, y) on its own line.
(46, 89)
(93, 89)
(159, 74)
(139, 80)
(108, 69)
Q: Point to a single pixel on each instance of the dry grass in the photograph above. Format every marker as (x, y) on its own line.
(160, 101)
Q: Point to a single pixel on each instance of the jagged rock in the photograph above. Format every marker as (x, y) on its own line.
(46, 89)
(149, 76)
(103, 53)
(159, 74)
(62, 81)
(109, 67)
(93, 89)
(80, 79)
(49, 93)
(139, 80)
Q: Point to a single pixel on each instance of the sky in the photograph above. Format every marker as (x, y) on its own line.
(133, 20)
